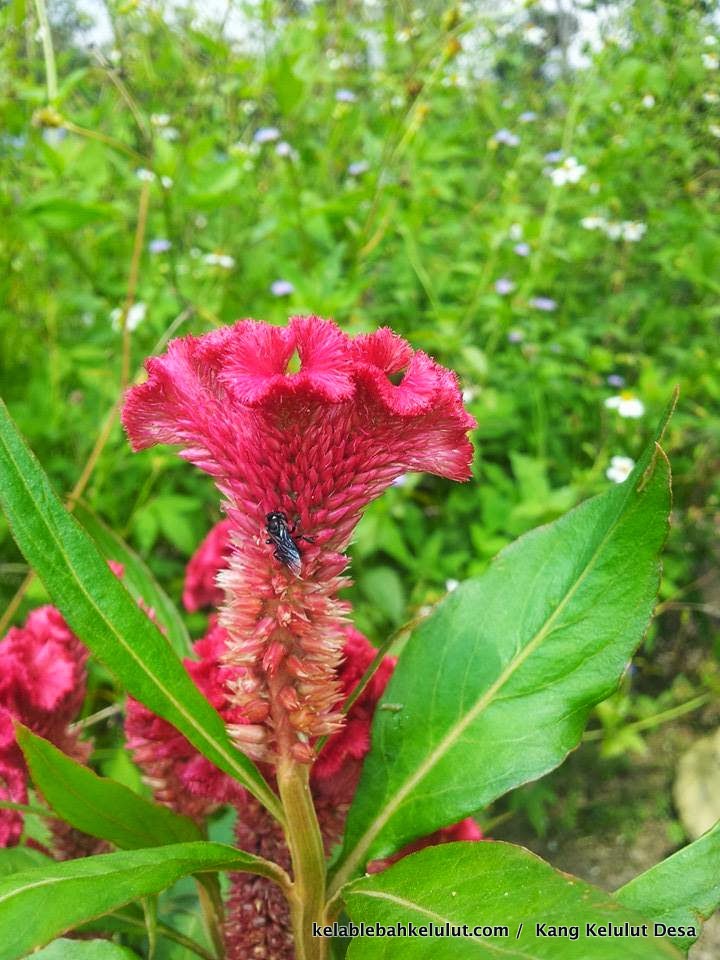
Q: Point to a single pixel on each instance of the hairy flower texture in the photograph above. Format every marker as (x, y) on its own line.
(201, 586)
(317, 445)
(42, 684)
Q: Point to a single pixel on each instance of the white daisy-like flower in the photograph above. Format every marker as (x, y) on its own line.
(593, 223)
(626, 404)
(144, 174)
(218, 259)
(710, 61)
(620, 469)
(569, 171)
(135, 316)
(648, 101)
(451, 585)
(633, 230)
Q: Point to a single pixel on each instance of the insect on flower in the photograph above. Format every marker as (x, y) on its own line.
(286, 548)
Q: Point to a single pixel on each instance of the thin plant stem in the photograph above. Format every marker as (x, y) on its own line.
(104, 138)
(648, 723)
(28, 808)
(138, 243)
(97, 717)
(48, 51)
(170, 934)
(306, 897)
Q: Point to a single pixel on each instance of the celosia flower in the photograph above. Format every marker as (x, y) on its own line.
(316, 445)
(42, 684)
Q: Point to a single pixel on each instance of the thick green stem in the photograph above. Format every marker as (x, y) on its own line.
(48, 52)
(307, 896)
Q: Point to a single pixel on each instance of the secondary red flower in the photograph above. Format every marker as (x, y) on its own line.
(42, 684)
(317, 445)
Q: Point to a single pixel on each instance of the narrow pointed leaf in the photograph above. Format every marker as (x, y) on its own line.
(104, 615)
(40, 904)
(681, 891)
(494, 689)
(494, 885)
(138, 579)
(97, 805)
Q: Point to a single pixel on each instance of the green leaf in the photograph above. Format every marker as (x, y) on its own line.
(138, 579)
(496, 686)
(104, 615)
(62, 213)
(683, 890)
(42, 903)
(493, 886)
(14, 859)
(84, 950)
(98, 806)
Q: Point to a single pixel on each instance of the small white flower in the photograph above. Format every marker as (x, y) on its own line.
(710, 41)
(527, 116)
(358, 168)
(135, 316)
(633, 230)
(546, 304)
(535, 36)
(613, 230)
(569, 171)
(710, 96)
(169, 133)
(648, 101)
(281, 288)
(469, 394)
(714, 129)
(522, 249)
(283, 149)
(451, 585)
(593, 223)
(167, 182)
(710, 61)
(145, 175)
(507, 137)
(516, 231)
(627, 405)
(620, 469)
(160, 119)
(160, 245)
(266, 135)
(345, 96)
(504, 286)
(218, 259)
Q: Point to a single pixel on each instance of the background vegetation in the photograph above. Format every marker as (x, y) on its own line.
(529, 192)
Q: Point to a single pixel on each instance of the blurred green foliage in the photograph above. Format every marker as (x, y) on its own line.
(536, 225)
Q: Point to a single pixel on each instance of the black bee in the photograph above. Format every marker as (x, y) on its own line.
(286, 548)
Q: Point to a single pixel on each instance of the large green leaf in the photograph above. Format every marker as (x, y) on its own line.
(138, 579)
(104, 615)
(84, 950)
(682, 891)
(97, 805)
(40, 904)
(15, 859)
(495, 886)
(496, 686)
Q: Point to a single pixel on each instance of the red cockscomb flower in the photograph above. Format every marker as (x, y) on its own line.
(201, 586)
(316, 446)
(42, 684)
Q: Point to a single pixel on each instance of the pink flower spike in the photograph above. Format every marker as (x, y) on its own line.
(313, 446)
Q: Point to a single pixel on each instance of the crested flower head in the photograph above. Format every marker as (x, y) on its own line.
(201, 587)
(308, 425)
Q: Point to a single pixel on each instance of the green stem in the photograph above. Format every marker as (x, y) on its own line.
(27, 809)
(647, 723)
(48, 51)
(307, 895)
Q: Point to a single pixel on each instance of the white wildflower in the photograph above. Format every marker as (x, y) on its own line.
(620, 469)
(626, 404)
